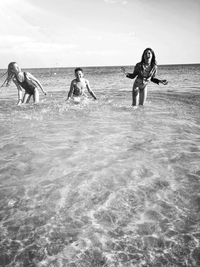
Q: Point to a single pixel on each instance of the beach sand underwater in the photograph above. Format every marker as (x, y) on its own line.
(98, 183)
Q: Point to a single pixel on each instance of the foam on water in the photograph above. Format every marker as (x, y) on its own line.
(101, 184)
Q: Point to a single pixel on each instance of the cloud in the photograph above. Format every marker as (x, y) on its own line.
(28, 44)
(41, 47)
(123, 2)
(113, 38)
(96, 52)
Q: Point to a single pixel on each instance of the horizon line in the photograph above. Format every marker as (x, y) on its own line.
(102, 66)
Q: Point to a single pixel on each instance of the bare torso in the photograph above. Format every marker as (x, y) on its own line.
(79, 87)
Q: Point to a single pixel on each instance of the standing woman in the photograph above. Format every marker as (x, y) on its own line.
(145, 72)
(23, 80)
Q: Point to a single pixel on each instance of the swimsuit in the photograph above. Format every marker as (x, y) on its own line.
(79, 90)
(28, 85)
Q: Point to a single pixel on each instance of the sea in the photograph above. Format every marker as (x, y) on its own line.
(100, 184)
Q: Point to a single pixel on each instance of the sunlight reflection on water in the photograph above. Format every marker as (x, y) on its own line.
(100, 184)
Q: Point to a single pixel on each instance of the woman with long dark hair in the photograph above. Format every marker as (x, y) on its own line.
(145, 72)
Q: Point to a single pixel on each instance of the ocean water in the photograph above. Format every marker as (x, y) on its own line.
(101, 184)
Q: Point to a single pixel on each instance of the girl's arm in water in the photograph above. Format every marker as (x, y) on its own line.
(35, 81)
(90, 90)
(20, 93)
(71, 90)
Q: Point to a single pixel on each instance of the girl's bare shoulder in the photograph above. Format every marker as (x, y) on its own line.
(74, 81)
(86, 81)
(14, 79)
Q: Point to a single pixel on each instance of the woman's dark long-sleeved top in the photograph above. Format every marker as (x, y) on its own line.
(139, 72)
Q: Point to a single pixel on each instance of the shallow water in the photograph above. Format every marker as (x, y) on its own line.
(101, 184)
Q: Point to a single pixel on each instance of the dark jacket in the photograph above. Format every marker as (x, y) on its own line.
(139, 73)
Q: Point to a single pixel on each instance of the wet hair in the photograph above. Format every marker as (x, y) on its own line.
(10, 74)
(153, 60)
(78, 69)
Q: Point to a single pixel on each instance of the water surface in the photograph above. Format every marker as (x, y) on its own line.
(101, 184)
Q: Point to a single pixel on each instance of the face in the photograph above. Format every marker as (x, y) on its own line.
(148, 55)
(15, 68)
(79, 74)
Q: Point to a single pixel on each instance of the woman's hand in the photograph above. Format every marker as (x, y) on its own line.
(164, 82)
(123, 70)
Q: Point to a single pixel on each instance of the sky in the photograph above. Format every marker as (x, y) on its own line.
(71, 33)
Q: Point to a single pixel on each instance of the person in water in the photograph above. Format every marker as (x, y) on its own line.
(144, 72)
(78, 87)
(23, 80)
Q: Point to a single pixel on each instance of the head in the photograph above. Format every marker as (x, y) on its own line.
(13, 69)
(149, 55)
(78, 73)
